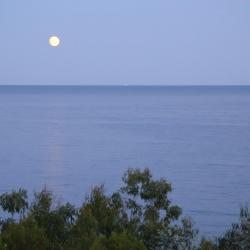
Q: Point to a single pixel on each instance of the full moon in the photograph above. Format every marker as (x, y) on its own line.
(54, 41)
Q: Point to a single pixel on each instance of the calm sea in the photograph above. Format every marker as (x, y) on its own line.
(71, 138)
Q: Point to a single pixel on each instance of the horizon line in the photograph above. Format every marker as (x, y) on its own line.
(124, 85)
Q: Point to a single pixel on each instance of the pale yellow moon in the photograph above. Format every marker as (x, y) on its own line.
(54, 41)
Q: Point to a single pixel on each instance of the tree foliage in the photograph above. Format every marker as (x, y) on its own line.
(238, 236)
(138, 216)
(15, 202)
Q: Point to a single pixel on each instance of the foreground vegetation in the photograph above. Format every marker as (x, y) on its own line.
(139, 216)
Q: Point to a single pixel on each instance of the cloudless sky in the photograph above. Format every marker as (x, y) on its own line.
(125, 42)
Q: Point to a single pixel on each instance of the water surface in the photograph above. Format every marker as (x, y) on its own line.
(71, 138)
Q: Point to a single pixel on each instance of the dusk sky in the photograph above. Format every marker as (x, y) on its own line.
(135, 42)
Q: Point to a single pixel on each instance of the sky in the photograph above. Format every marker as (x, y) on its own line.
(117, 42)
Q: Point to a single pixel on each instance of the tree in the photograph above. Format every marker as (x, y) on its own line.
(122, 241)
(100, 215)
(149, 210)
(138, 216)
(208, 245)
(238, 237)
(179, 237)
(56, 222)
(14, 202)
(25, 235)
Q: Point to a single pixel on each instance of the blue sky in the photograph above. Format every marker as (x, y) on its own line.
(175, 42)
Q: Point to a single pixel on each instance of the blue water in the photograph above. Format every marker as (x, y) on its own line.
(71, 138)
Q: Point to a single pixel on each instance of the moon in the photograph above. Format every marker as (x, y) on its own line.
(54, 41)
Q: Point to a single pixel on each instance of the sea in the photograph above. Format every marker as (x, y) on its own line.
(71, 138)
